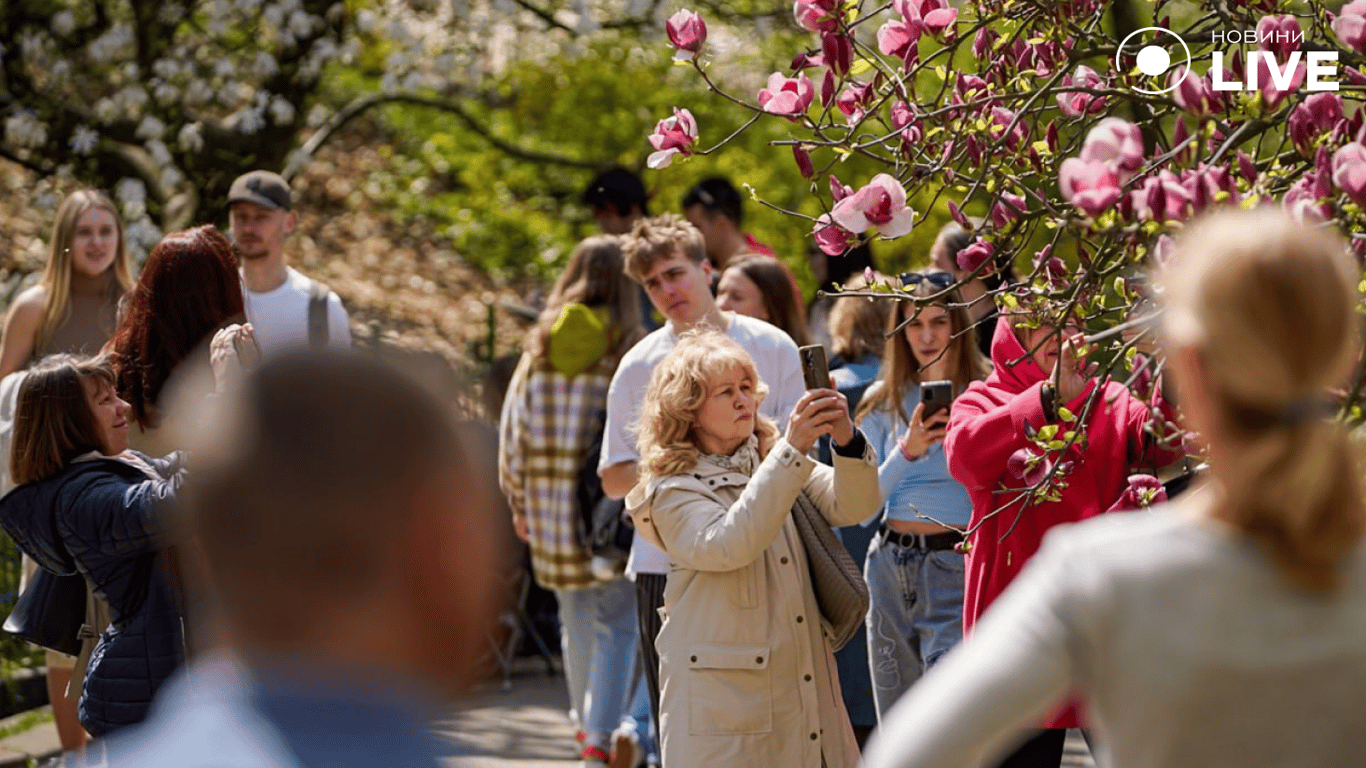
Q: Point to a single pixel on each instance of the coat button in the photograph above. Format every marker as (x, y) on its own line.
(759, 660)
(800, 619)
(807, 678)
(813, 737)
(783, 560)
(694, 659)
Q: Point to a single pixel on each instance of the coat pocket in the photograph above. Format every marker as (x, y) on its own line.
(730, 690)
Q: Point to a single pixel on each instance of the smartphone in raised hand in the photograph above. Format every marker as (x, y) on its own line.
(935, 396)
(815, 368)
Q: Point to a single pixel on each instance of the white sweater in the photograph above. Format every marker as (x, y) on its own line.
(1190, 648)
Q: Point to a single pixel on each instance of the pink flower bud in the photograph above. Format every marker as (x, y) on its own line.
(1028, 466)
(981, 44)
(1116, 142)
(959, 216)
(1142, 492)
(687, 31)
(940, 21)
(827, 88)
(1075, 103)
(897, 38)
(1007, 209)
(1194, 94)
(1246, 168)
(817, 15)
(839, 191)
(1315, 116)
(838, 53)
(856, 97)
(803, 161)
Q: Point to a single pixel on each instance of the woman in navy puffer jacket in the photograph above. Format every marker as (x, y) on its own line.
(87, 504)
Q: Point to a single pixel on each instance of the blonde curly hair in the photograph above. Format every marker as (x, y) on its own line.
(667, 440)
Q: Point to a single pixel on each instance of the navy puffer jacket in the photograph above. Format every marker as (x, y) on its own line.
(104, 518)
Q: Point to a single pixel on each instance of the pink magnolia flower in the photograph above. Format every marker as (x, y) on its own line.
(1246, 168)
(969, 87)
(1090, 185)
(687, 31)
(856, 97)
(1349, 171)
(831, 238)
(789, 96)
(1195, 94)
(1315, 116)
(907, 120)
(1028, 466)
(1162, 197)
(1005, 124)
(817, 15)
(1142, 492)
(1350, 26)
(880, 205)
(975, 255)
(898, 37)
(673, 136)
(1163, 250)
(1116, 142)
(984, 40)
(1281, 34)
(935, 15)
(1076, 104)
(1302, 203)
(828, 88)
(1007, 209)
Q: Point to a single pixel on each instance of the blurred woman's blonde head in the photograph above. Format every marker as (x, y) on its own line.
(668, 441)
(1262, 310)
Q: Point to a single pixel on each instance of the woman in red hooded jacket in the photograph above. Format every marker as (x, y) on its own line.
(990, 453)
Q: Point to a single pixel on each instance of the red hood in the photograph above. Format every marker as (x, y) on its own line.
(1006, 349)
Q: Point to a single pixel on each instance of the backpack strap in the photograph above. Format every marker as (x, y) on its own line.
(317, 314)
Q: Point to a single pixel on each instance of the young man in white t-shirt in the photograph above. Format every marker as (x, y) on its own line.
(283, 305)
(667, 256)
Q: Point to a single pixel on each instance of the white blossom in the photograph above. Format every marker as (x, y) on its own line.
(301, 23)
(264, 65)
(366, 21)
(413, 81)
(159, 152)
(106, 110)
(166, 69)
(317, 115)
(131, 100)
(84, 139)
(130, 191)
(250, 120)
(107, 46)
(23, 129)
(171, 13)
(191, 137)
(389, 83)
(273, 15)
(60, 71)
(229, 94)
(198, 93)
(170, 177)
(141, 235)
(224, 67)
(150, 128)
(64, 23)
(164, 92)
(248, 7)
(281, 111)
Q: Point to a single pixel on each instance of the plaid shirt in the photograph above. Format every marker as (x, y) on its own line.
(549, 421)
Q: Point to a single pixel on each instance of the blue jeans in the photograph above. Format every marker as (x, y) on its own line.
(916, 614)
(598, 634)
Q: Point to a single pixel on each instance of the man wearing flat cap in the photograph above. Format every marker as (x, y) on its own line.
(285, 307)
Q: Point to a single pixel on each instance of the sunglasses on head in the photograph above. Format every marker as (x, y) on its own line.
(937, 279)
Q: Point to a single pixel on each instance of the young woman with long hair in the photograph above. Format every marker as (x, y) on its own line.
(748, 676)
(85, 504)
(758, 286)
(551, 426)
(914, 569)
(1226, 629)
(74, 306)
(189, 288)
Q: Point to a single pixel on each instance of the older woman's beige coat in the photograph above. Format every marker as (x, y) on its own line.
(746, 671)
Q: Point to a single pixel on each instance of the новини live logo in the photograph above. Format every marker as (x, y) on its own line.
(1153, 59)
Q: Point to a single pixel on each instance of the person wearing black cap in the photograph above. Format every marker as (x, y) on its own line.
(284, 306)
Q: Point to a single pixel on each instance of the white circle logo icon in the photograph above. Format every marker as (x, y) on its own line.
(1151, 56)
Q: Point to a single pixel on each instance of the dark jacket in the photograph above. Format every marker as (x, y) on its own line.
(104, 518)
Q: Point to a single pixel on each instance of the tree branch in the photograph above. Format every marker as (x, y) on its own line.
(365, 103)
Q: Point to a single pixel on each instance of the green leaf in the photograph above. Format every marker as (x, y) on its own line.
(1048, 432)
(1066, 415)
(860, 66)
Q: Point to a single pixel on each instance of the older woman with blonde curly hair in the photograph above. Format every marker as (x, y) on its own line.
(747, 671)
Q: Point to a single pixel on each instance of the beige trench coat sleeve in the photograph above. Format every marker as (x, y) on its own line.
(849, 493)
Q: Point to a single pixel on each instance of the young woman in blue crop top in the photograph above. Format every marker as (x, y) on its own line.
(913, 570)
